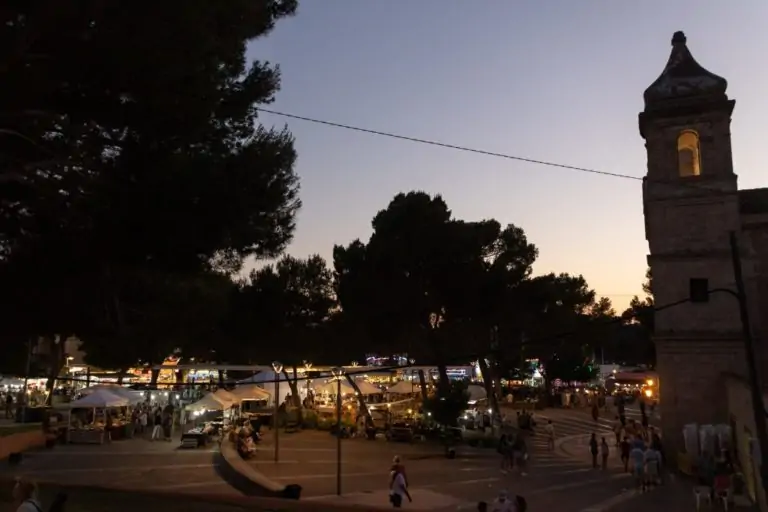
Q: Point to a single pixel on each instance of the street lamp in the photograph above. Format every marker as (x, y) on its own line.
(338, 372)
(277, 367)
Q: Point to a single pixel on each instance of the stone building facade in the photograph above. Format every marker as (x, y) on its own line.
(692, 203)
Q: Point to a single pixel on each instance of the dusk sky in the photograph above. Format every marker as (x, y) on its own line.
(553, 80)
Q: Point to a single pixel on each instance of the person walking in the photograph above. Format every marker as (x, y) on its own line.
(593, 450)
(604, 452)
(398, 489)
(549, 428)
(625, 448)
(617, 428)
(637, 455)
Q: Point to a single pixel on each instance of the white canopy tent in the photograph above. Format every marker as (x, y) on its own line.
(266, 380)
(210, 402)
(134, 397)
(100, 399)
(476, 392)
(250, 392)
(366, 388)
(224, 396)
(404, 387)
(331, 386)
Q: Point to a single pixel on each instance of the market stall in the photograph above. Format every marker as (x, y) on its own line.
(366, 388)
(200, 435)
(266, 380)
(404, 387)
(250, 392)
(476, 393)
(331, 387)
(133, 397)
(104, 424)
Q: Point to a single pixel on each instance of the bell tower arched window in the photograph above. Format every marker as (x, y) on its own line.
(688, 154)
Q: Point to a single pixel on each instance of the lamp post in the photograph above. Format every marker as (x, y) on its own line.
(338, 373)
(277, 367)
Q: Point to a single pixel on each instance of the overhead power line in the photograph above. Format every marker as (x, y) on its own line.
(674, 184)
(449, 146)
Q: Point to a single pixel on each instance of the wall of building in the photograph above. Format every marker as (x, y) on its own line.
(692, 385)
(742, 421)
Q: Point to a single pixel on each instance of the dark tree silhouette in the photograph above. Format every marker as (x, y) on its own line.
(134, 160)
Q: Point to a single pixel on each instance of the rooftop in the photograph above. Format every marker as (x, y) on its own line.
(684, 79)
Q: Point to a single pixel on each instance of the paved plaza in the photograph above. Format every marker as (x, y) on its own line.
(129, 464)
(561, 479)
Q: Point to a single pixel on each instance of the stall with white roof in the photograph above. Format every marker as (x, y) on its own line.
(102, 404)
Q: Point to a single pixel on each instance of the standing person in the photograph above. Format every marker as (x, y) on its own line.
(622, 413)
(595, 411)
(625, 448)
(9, 406)
(143, 419)
(398, 489)
(604, 452)
(157, 429)
(167, 425)
(593, 450)
(637, 455)
(549, 428)
(652, 467)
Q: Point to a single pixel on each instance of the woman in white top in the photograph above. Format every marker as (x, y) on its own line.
(398, 490)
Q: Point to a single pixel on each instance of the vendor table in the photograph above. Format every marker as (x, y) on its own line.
(195, 438)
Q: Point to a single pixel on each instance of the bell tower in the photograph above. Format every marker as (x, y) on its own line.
(691, 205)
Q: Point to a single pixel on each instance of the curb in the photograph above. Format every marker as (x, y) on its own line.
(247, 479)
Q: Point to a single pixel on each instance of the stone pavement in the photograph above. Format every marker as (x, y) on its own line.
(553, 481)
(127, 464)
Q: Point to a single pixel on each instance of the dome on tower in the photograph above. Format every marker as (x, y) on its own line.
(684, 79)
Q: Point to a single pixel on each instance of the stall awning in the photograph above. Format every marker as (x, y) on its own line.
(210, 403)
(101, 398)
(250, 392)
(404, 387)
(331, 386)
(134, 397)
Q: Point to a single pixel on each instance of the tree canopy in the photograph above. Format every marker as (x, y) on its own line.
(136, 180)
(134, 164)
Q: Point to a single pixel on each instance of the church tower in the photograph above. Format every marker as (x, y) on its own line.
(691, 204)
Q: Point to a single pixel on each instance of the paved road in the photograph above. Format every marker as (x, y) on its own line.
(128, 464)
(554, 480)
